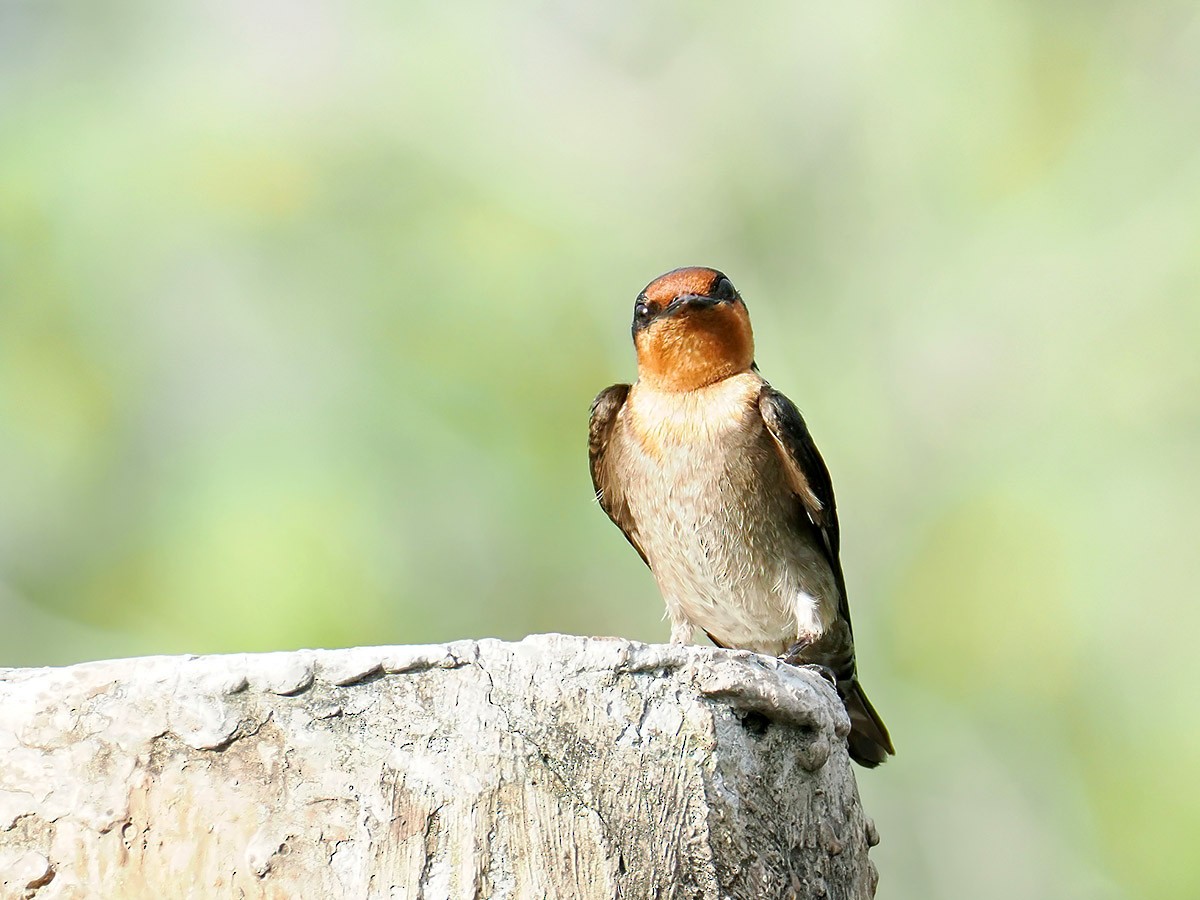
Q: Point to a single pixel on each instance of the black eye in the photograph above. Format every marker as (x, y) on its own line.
(641, 312)
(723, 289)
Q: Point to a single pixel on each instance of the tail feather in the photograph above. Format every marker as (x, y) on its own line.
(870, 743)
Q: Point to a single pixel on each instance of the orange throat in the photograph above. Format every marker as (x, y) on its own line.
(686, 353)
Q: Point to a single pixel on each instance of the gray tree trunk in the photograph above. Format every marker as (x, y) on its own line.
(557, 767)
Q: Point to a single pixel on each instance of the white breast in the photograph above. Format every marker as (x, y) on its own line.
(717, 520)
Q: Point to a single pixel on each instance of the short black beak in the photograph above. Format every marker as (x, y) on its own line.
(692, 301)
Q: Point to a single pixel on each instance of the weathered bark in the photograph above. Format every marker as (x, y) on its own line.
(558, 767)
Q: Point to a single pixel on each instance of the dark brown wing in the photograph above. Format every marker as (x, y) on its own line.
(869, 742)
(809, 479)
(605, 409)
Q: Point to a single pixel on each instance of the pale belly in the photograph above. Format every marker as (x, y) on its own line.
(717, 522)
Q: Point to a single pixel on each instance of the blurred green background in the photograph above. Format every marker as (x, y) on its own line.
(302, 306)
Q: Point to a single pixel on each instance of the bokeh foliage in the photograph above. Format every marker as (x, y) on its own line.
(302, 306)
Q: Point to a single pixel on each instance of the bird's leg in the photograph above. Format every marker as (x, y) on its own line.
(795, 657)
(681, 632)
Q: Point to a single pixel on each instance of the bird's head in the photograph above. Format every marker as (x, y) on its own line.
(691, 329)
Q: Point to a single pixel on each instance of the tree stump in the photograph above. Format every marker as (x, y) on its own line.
(557, 767)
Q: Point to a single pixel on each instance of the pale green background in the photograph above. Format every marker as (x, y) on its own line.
(302, 305)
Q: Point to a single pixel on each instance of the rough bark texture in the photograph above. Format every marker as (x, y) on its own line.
(558, 767)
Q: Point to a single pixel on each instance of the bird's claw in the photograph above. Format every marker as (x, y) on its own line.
(824, 671)
(793, 657)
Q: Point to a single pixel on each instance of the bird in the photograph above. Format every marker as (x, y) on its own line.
(713, 477)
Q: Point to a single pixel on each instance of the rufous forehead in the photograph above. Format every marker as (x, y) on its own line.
(692, 280)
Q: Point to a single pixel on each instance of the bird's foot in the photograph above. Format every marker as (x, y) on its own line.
(824, 671)
(795, 657)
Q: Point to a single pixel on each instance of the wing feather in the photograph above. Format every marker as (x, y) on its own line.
(808, 477)
(606, 409)
(869, 741)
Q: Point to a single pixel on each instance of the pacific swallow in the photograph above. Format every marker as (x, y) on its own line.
(714, 479)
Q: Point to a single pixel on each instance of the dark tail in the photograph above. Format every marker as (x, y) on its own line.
(869, 741)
